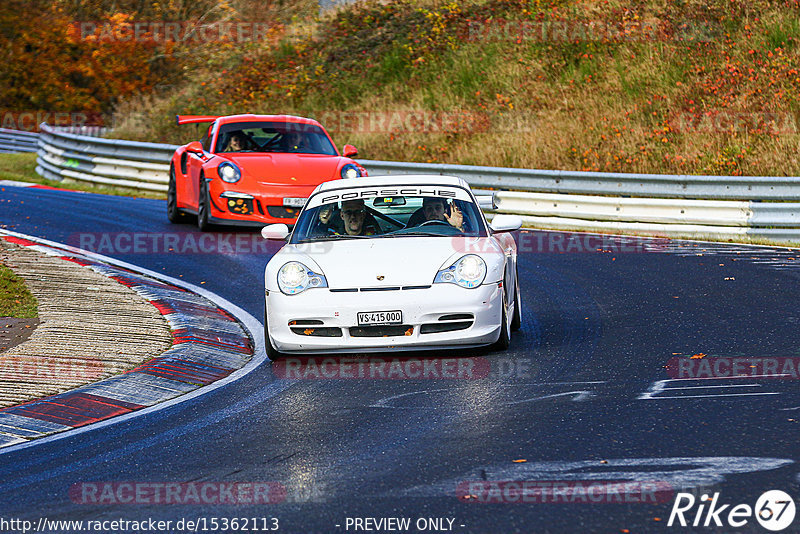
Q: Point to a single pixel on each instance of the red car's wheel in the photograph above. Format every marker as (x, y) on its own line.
(174, 213)
(202, 206)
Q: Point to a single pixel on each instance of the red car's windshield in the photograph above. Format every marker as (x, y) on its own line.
(285, 137)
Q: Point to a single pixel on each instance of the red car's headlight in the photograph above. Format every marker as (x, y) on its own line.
(229, 172)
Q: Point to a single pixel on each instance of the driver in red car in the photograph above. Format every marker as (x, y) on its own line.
(236, 142)
(295, 142)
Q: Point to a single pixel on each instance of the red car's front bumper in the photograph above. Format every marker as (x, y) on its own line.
(268, 205)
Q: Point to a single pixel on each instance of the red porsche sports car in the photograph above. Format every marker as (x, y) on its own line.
(253, 169)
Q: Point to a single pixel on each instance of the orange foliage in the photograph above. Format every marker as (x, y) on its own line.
(49, 65)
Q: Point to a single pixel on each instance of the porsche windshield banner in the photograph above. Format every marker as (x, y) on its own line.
(355, 193)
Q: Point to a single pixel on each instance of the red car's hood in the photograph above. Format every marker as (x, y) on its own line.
(279, 168)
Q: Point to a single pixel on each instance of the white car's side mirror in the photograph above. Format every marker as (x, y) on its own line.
(506, 223)
(275, 231)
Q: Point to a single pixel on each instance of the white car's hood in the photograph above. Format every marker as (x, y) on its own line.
(382, 262)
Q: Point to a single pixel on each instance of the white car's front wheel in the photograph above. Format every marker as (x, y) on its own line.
(516, 319)
(505, 325)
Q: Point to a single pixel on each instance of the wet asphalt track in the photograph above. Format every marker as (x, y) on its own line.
(577, 395)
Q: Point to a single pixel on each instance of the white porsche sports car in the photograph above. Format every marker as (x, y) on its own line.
(391, 262)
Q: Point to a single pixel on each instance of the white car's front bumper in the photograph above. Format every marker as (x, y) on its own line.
(336, 325)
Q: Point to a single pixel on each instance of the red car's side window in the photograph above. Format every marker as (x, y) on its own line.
(206, 141)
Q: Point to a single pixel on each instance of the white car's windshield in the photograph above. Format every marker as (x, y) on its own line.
(389, 216)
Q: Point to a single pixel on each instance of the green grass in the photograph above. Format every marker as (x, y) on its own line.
(22, 168)
(783, 34)
(15, 299)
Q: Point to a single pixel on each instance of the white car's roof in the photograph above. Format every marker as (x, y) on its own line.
(395, 180)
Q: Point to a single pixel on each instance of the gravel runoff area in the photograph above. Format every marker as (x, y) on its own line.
(90, 327)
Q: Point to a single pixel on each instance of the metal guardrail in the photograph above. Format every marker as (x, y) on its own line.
(21, 141)
(114, 162)
(720, 207)
(608, 183)
(92, 131)
(18, 141)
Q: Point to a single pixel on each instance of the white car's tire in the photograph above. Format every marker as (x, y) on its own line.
(516, 318)
(272, 353)
(505, 326)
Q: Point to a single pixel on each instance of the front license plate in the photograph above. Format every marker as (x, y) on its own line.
(294, 202)
(379, 318)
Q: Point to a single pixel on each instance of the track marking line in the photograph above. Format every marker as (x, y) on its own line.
(707, 387)
(712, 396)
(579, 396)
(660, 386)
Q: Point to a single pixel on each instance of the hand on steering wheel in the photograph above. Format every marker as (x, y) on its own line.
(435, 221)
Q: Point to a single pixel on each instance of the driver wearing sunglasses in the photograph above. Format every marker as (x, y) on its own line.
(356, 222)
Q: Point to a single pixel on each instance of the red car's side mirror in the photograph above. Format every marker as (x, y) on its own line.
(195, 147)
(349, 151)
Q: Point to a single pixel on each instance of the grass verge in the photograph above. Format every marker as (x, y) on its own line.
(15, 299)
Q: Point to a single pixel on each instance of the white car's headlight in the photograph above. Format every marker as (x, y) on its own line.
(294, 278)
(469, 272)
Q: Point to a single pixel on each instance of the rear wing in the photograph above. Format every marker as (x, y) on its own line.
(194, 119)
